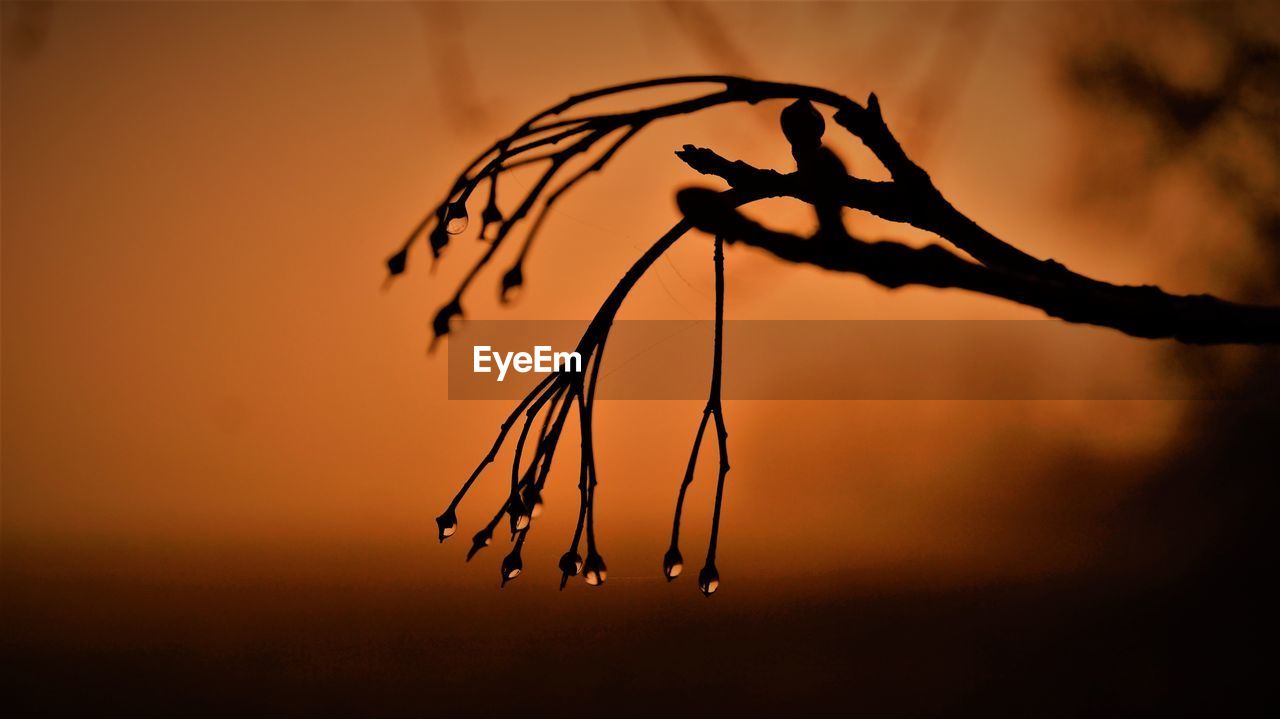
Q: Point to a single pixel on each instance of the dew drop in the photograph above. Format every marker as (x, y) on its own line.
(594, 570)
(447, 523)
(537, 509)
(457, 219)
(708, 581)
(518, 512)
(571, 563)
(672, 564)
(511, 567)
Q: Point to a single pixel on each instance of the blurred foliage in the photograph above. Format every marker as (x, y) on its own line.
(1194, 86)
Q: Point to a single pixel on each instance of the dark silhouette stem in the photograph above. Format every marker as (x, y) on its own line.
(688, 478)
(589, 448)
(1139, 311)
(714, 404)
(497, 443)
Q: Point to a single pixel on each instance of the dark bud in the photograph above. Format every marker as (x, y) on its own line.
(672, 564)
(708, 580)
(396, 263)
(439, 239)
(593, 570)
(511, 567)
(571, 564)
(803, 126)
(699, 158)
(480, 541)
(859, 120)
(448, 524)
(444, 318)
(512, 281)
(491, 215)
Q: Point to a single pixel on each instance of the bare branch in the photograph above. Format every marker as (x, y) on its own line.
(997, 269)
(1141, 311)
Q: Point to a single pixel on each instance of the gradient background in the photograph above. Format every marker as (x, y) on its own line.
(223, 443)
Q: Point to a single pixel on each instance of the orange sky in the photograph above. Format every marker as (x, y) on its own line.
(199, 363)
(224, 444)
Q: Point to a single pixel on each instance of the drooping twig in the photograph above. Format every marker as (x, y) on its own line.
(673, 561)
(546, 129)
(709, 577)
(447, 522)
(514, 277)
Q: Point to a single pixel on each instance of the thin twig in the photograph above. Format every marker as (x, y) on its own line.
(709, 577)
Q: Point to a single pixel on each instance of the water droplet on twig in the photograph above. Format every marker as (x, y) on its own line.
(571, 563)
(594, 570)
(708, 580)
(448, 524)
(519, 513)
(511, 567)
(456, 218)
(672, 564)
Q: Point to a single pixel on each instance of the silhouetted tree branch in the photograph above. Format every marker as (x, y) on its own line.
(997, 269)
(1140, 311)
